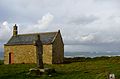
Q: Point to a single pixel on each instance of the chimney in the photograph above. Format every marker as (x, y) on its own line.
(59, 31)
(15, 32)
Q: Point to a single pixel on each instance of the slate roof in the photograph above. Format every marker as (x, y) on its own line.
(23, 39)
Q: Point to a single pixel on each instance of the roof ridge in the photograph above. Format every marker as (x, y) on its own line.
(38, 33)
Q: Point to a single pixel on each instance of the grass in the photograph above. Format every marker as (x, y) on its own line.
(74, 68)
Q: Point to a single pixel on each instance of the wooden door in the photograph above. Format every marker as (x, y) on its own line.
(11, 58)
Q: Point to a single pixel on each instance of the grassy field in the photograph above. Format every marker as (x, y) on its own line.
(74, 68)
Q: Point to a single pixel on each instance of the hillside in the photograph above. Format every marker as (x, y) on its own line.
(74, 68)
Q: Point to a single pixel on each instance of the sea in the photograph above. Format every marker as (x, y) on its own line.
(90, 54)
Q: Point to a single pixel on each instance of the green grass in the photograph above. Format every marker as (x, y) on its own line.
(81, 68)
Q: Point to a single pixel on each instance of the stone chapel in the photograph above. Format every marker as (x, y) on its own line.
(21, 49)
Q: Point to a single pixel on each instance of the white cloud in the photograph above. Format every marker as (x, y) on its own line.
(87, 38)
(45, 21)
(5, 31)
(41, 24)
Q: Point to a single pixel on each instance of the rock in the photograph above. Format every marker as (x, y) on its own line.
(35, 72)
(39, 72)
(111, 76)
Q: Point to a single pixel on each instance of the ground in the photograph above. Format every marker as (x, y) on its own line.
(77, 68)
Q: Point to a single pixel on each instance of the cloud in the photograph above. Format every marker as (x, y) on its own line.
(5, 31)
(85, 19)
(41, 25)
(82, 22)
(45, 21)
(87, 38)
(102, 31)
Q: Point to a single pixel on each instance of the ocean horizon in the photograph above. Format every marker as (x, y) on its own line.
(90, 54)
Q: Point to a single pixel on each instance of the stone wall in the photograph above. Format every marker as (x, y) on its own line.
(21, 53)
(27, 54)
(47, 54)
(58, 49)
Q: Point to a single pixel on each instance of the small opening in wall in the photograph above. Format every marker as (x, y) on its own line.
(11, 58)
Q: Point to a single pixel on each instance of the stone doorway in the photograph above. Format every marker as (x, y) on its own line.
(11, 58)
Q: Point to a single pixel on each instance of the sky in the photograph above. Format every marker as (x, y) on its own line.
(85, 25)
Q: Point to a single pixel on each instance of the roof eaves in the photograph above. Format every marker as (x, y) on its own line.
(16, 44)
(23, 44)
(37, 33)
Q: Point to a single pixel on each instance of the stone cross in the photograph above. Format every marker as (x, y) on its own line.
(39, 52)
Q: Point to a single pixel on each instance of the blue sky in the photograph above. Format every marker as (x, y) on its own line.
(86, 25)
